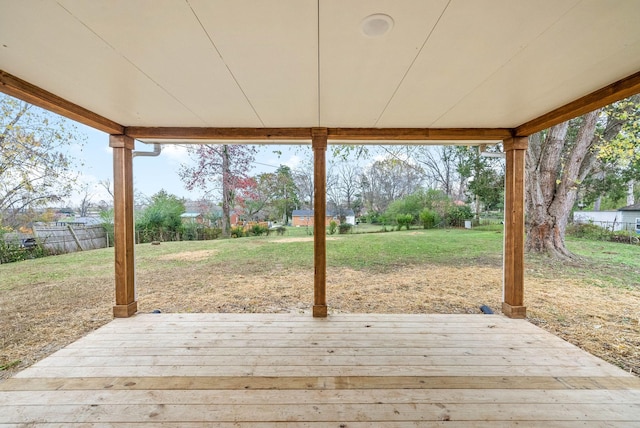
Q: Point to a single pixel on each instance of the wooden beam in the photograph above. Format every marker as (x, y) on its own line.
(349, 134)
(609, 94)
(513, 285)
(126, 304)
(417, 134)
(190, 133)
(25, 91)
(319, 145)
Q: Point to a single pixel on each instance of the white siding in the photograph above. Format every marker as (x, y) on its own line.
(608, 219)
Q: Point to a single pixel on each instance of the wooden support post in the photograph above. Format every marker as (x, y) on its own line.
(126, 304)
(513, 286)
(319, 145)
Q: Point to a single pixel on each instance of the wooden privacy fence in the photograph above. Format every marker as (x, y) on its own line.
(69, 238)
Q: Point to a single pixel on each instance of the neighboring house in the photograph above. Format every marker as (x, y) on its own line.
(625, 218)
(88, 221)
(234, 217)
(608, 219)
(631, 216)
(350, 217)
(192, 218)
(305, 217)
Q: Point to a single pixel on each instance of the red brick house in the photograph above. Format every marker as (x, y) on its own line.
(305, 218)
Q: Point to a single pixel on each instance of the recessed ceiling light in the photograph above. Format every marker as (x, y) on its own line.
(376, 25)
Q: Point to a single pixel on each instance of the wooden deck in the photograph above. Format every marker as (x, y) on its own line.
(356, 370)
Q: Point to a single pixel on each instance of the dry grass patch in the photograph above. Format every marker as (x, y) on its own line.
(303, 239)
(195, 256)
(40, 317)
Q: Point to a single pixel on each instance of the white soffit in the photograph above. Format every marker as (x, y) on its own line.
(164, 41)
(44, 44)
(306, 63)
(271, 47)
(472, 41)
(359, 74)
(593, 45)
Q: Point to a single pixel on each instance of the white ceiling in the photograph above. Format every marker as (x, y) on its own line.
(306, 63)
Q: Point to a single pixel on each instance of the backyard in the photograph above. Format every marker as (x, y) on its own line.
(593, 303)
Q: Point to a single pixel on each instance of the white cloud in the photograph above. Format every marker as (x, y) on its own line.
(175, 153)
(293, 161)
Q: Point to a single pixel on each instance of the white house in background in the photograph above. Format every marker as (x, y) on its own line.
(630, 216)
(625, 218)
(611, 220)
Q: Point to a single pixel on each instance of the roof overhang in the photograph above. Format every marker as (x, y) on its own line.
(201, 70)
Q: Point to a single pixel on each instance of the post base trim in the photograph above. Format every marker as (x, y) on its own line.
(519, 312)
(125, 311)
(319, 311)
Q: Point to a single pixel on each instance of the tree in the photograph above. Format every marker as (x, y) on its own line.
(617, 166)
(303, 180)
(285, 198)
(484, 175)
(34, 168)
(557, 162)
(255, 194)
(226, 164)
(440, 166)
(161, 216)
(106, 185)
(85, 202)
(387, 180)
(343, 183)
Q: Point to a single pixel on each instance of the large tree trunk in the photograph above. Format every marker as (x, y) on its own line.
(554, 168)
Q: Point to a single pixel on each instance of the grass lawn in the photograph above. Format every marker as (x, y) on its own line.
(593, 303)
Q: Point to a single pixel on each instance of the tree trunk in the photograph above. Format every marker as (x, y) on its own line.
(226, 194)
(630, 196)
(554, 168)
(597, 203)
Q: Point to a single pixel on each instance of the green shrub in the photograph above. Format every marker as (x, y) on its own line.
(237, 232)
(404, 220)
(455, 215)
(14, 252)
(332, 227)
(373, 218)
(429, 218)
(189, 232)
(344, 228)
(597, 233)
(258, 230)
(588, 231)
(210, 233)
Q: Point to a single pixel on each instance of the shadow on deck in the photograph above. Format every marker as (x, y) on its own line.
(350, 370)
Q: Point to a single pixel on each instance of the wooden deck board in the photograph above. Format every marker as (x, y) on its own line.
(267, 370)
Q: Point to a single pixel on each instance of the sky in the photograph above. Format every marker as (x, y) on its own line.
(152, 174)
(93, 162)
